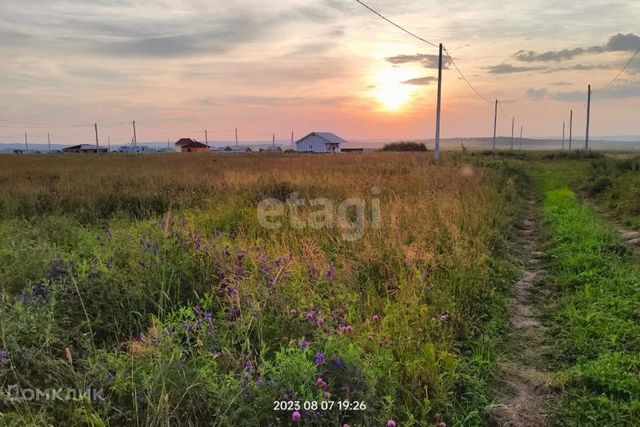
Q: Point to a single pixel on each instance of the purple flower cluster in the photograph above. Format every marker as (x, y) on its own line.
(319, 359)
(330, 273)
(4, 357)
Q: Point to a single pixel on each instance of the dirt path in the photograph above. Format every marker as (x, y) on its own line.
(523, 390)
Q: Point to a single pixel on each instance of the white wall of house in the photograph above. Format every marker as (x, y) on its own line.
(313, 143)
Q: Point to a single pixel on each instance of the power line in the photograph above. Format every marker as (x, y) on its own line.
(372, 10)
(460, 73)
(622, 70)
(465, 79)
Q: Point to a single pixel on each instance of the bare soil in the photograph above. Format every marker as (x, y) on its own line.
(524, 387)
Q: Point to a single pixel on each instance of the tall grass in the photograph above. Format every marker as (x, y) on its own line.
(150, 277)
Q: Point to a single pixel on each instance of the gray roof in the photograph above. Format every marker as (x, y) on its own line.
(327, 136)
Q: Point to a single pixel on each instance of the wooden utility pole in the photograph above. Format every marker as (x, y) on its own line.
(206, 138)
(586, 135)
(513, 122)
(570, 128)
(49, 141)
(135, 137)
(521, 137)
(274, 140)
(95, 126)
(26, 142)
(292, 139)
(562, 136)
(237, 148)
(495, 126)
(436, 154)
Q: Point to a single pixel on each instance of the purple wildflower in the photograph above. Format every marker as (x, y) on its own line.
(248, 366)
(376, 318)
(208, 317)
(304, 344)
(197, 243)
(259, 381)
(330, 273)
(198, 310)
(296, 416)
(320, 321)
(443, 317)
(338, 362)
(4, 357)
(391, 423)
(319, 359)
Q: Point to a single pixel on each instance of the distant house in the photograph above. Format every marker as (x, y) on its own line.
(234, 149)
(188, 145)
(135, 149)
(85, 148)
(274, 149)
(320, 142)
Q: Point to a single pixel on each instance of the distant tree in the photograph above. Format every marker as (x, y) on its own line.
(404, 146)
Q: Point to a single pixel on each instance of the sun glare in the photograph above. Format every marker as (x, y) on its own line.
(389, 89)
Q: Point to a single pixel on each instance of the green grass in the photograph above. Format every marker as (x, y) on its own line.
(615, 182)
(154, 282)
(596, 324)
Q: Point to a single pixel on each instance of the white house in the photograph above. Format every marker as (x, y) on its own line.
(320, 142)
(135, 149)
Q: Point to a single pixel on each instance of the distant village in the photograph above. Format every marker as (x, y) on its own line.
(315, 142)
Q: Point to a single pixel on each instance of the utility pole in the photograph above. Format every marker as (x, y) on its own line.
(95, 126)
(513, 122)
(206, 138)
(586, 135)
(521, 137)
(26, 142)
(495, 125)
(436, 154)
(49, 141)
(135, 137)
(570, 128)
(291, 140)
(562, 136)
(274, 140)
(237, 141)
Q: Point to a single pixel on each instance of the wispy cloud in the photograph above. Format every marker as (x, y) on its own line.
(420, 81)
(508, 69)
(537, 94)
(426, 60)
(625, 89)
(618, 43)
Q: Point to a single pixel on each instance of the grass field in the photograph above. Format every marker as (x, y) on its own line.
(379, 282)
(151, 278)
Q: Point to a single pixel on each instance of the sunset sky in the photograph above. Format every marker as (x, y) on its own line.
(265, 66)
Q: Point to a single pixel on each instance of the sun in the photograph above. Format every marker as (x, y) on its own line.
(389, 89)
